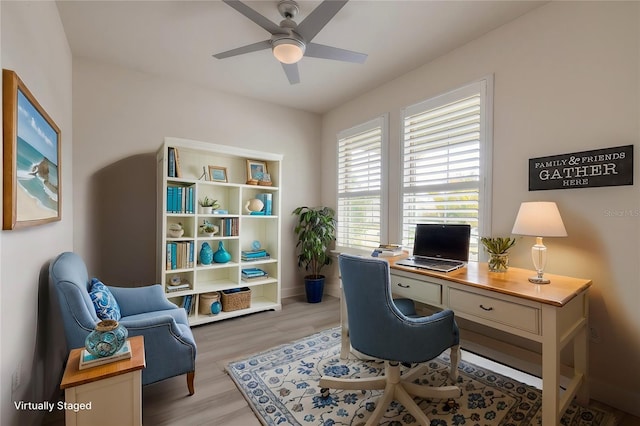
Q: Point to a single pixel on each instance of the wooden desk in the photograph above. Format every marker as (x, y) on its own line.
(106, 394)
(554, 314)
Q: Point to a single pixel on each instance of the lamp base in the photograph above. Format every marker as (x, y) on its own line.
(539, 280)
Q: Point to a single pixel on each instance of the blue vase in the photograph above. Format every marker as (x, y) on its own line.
(216, 307)
(206, 254)
(221, 256)
(107, 338)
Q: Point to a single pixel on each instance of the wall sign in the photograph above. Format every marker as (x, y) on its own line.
(586, 169)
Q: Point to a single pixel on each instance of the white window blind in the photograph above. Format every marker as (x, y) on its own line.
(442, 162)
(360, 183)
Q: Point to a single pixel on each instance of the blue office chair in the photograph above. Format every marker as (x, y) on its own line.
(377, 328)
(169, 347)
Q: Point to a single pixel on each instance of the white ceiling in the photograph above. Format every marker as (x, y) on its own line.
(178, 38)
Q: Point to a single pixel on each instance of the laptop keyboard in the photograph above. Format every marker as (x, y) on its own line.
(435, 263)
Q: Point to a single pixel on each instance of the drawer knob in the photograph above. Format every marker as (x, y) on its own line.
(403, 285)
(485, 308)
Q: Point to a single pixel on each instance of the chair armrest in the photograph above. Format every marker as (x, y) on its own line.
(138, 300)
(145, 324)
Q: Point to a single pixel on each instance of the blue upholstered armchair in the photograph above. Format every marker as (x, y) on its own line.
(379, 329)
(170, 349)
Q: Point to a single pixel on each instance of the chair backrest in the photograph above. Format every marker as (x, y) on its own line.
(377, 327)
(68, 275)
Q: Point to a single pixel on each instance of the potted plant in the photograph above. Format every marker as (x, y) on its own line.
(497, 248)
(316, 229)
(207, 205)
(208, 228)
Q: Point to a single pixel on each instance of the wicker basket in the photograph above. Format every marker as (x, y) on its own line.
(232, 301)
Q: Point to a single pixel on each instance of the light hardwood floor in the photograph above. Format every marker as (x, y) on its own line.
(217, 400)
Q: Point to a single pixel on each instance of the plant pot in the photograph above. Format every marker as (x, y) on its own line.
(498, 262)
(314, 287)
(206, 210)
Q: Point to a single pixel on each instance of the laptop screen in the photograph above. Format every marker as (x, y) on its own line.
(442, 241)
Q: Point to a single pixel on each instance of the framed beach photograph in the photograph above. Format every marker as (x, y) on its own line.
(31, 146)
(256, 170)
(217, 174)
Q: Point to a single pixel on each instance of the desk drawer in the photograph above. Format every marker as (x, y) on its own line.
(500, 311)
(425, 292)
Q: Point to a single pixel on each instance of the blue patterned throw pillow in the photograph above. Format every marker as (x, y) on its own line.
(104, 302)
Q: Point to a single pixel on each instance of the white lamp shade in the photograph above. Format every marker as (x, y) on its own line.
(288, 51)
(539, 219)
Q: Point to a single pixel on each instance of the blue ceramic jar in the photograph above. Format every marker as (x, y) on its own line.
(206, 254)
(106, 339)
(222, 255)
(216, 307)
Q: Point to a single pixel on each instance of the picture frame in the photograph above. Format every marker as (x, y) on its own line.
(218, 174)
(32, 190)
(256, 170)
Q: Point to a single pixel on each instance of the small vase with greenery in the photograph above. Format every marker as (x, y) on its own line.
(207, 205)
(497, 248)
(208, 228)
(316, 230)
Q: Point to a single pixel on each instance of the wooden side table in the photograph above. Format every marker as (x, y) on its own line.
(106, 394)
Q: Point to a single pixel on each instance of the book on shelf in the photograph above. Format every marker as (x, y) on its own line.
(177, 159)
(387, 250)
(250, 274)
(171, 159)
(254, 253)
(87, 360)
(180, 199)
(187, 301)
(180, 255)
(254, 259)
(267, 200)
(249, 279)
(179, 287)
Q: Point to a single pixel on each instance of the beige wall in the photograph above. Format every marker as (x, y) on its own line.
(35, 46)
(121, 117)
(567, 78)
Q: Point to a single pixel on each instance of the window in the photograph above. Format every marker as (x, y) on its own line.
(446, 162)
(361, 171)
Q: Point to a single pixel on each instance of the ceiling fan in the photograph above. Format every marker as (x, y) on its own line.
(290, 41)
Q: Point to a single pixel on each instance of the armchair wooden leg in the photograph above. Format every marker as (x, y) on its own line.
(190, 378)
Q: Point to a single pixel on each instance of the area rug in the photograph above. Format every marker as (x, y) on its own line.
(281, 386)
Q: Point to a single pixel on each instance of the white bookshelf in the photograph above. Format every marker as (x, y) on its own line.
(193, 157)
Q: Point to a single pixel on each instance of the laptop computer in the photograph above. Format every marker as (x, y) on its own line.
(442, 248)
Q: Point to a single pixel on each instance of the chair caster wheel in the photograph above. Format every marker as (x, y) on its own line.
(324, 392)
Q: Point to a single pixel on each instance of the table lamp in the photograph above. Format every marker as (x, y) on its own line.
(539, 219)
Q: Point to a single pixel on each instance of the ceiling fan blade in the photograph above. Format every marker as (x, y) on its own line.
(254, 16)
(261, 45)
(291, 70)
(318, 18)
(316, 50)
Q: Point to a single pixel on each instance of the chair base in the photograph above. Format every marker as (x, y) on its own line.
(400, 388)
(190, 378)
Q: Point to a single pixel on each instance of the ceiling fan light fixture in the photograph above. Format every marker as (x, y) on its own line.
(288, 50)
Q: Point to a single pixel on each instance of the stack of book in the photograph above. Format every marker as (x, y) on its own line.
(387, 250)
(88, 360)
(173, 165)
(253, 255)
(180, 255)
(250, 274)
(188, 304)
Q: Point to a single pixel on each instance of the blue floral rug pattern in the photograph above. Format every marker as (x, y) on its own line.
(281, 386)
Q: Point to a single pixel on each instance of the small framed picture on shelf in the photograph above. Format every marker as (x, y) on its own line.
(256, 170)
(217, 174)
